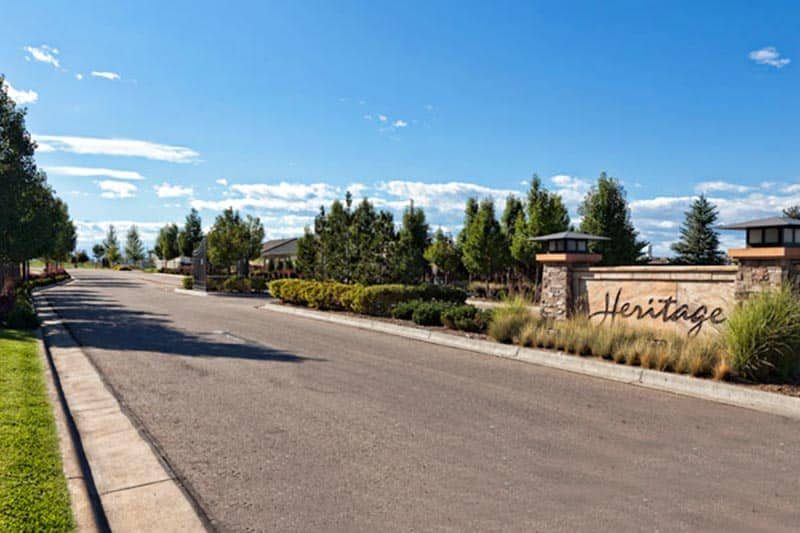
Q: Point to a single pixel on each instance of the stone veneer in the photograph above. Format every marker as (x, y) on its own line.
(757, 275)
(556, 300)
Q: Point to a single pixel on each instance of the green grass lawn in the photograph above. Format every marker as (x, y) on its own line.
(33, 491)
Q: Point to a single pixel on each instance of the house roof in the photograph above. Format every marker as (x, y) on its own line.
(770, 222)
(570, 235)
(279, 248)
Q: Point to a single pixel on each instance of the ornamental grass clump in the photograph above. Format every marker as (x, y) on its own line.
(509, 320)
(762, 336)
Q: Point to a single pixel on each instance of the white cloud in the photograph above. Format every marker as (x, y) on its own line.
(44, 54)
(79, 76)
(21, 97)
(441, 197)
(367, 117)
(769, 56)
(95, 172)
(285, 196)
(721, 186)
(115, 147)
(572, 189)
(399, 123)
(383, 118)
(105, 75)
(223, 182)
(117, 189)
(165, 190)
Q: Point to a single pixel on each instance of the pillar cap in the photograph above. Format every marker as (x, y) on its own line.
(569, 258)
(765, 252)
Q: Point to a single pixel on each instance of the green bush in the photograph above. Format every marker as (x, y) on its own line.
(429, 313)
(236, 284)
(405, 310)
(509, 320)
(763, 336)
(466, 318)
(187, 283)
(259, 284)
(378, 300)
(23, 314)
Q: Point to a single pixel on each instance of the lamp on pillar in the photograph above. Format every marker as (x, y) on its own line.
(565, 251)
(771, 256)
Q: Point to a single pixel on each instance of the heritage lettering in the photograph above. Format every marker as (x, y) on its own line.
(665, 309)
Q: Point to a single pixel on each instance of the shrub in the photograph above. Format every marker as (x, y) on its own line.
(466, 318)
(258, 284)
(404, 310)
(429, 313)
(187, 283)
(236, 284)
(23, 314)
(762, 336)
(509, 320)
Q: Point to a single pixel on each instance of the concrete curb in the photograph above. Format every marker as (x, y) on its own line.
(136, 490)
(84, 507)
(191, 292)
(716, 391)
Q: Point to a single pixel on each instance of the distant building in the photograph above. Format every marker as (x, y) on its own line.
(279, 250)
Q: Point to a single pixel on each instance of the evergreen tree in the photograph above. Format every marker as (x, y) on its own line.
(228, 240)
(191, 235)
(443, 254)
(514, 209)
(254, 233)
(412, 239)
(605, 212)
(792, 212)
(111, 245)
(307, 252)
(484, 251)
(166, 247)
(134, 249)
(699, 243)
(385, 247)
(470, 212)
(546, 214)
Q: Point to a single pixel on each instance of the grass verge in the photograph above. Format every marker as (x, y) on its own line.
(33, 490)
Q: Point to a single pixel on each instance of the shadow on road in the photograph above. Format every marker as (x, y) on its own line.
(98, 321)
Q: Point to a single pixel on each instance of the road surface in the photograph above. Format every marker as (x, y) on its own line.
(276, 423)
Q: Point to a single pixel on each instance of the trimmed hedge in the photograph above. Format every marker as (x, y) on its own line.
(187, 282)
(426, 305)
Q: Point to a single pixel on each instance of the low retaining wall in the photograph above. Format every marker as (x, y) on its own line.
(686, 299)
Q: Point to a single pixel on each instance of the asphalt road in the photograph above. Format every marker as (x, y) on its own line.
(276, 423)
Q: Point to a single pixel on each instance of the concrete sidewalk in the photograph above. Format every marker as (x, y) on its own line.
(136, 490)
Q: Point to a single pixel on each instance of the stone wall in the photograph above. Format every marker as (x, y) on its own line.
(690, 300)
(755, 276)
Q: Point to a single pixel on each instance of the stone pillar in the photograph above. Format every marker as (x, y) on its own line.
(765, 269)
(558, 302)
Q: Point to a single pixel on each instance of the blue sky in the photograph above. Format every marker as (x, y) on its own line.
(276, 108)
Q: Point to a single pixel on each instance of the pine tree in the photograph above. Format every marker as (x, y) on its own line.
(514, 209)
(470, 212)
(191, 235)
(484, 252)
(111, 245)
(134, 249)
(443, 255)
(307, 252)
(412, 240)
(605, 212)
(546, 214)
(699, 243)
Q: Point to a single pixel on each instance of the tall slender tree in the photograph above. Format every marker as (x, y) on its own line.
(111, 245)
(191, 235)
(699, 242)
(134, 249)
(485, 251)
(605, 212)
(412, 240)
(166, 247)
(443, 255)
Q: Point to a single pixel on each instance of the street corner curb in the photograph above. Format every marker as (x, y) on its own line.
(86, 509)
(135, 487)
(716, 391)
